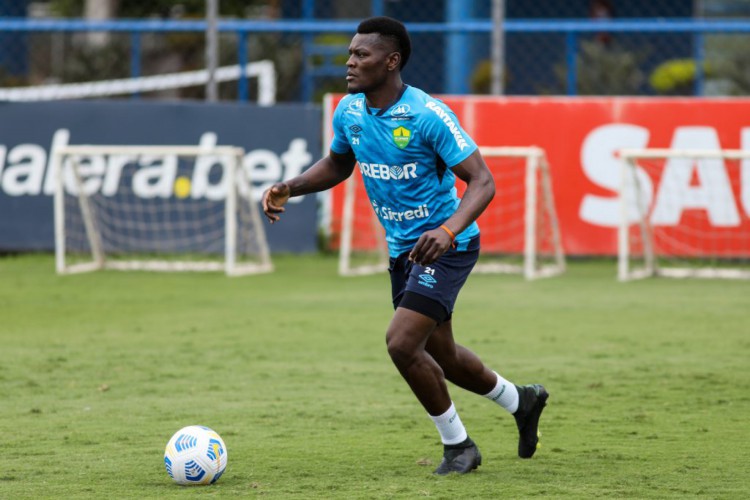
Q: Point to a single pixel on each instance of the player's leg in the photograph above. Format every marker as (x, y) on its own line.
(414, 320)
(407, 335)
(465, 369)
(406, 338)
(460, 365)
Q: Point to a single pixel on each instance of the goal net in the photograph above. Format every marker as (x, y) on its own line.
(156, 208)
(684, 213)
(520, 232)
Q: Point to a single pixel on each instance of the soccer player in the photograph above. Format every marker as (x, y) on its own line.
(410, 147)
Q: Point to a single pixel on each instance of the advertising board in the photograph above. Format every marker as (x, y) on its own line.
(581, 137)
(279, 142)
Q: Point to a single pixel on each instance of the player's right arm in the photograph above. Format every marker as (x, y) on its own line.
(324, 174)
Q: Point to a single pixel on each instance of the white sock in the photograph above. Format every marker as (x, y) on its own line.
(505, 394)
(450, 427)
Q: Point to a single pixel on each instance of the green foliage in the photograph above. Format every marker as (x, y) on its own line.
(730, 59)
(286, 54)
(604, 69)
(481, 78)
(134, 9)
(737, 73)
(86, 62)
(676, 77)
(730, 73)
(176, 51)
(334, 40)
(649, 384)
(331, 83)
(67, 8)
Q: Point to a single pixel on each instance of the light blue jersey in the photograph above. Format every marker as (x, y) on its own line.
(405, 154)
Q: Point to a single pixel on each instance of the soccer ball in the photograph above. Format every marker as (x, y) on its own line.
(195, 455)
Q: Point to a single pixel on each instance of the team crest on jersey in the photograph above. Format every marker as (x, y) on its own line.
(401, 137)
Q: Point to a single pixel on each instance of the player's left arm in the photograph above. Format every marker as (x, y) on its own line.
(480, 189)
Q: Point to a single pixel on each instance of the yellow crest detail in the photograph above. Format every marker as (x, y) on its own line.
(401, 137)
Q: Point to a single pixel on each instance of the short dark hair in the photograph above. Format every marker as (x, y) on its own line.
(391, 29)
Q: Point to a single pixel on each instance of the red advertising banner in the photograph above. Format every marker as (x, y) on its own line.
(581, 137)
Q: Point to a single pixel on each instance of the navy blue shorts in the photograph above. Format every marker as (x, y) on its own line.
(432, 290)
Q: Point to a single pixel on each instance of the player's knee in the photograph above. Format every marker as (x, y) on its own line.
(400, 349)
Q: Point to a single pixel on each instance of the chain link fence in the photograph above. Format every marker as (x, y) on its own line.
(307, 41)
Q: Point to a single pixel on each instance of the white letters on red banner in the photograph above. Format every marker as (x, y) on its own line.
(581, 137)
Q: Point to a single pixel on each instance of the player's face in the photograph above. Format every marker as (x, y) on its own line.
(370, 61)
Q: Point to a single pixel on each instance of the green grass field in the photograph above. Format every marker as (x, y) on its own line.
(649, 383)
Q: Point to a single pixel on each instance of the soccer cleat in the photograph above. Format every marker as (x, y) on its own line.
(460, 458)
(531, 401)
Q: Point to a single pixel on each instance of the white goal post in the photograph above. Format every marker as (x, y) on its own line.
(520, 229)
(156, 208)
(264, 71)
(684, 213)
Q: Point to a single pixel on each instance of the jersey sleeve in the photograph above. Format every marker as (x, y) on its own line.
(339, 143)
(443, 131)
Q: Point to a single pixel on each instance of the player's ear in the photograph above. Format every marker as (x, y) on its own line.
(394, 61)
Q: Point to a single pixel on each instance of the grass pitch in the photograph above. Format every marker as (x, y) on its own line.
(649, 384)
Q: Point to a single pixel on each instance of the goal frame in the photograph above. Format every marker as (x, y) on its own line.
(99, 261)
(651, 267)
(536, 163)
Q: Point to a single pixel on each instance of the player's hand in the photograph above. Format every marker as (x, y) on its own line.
(430, 246)
(274, 200)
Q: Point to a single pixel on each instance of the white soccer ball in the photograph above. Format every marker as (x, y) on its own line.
(195, 455)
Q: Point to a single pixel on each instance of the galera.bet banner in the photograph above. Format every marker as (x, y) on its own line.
(280, 142)
(581, 137)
